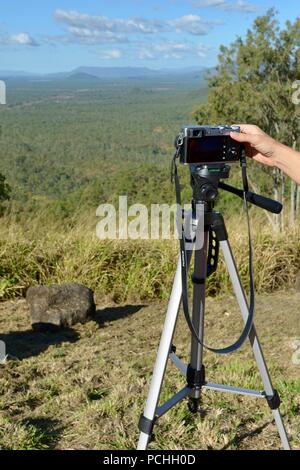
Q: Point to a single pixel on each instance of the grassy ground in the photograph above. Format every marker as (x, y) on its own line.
(84, 388)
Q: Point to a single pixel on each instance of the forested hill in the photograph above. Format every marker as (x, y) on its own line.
(82, 141)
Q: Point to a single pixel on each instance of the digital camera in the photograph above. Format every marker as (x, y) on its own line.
(208, 144)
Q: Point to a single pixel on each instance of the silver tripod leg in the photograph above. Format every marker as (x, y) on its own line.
(165, 346)
(257, 351)
(162, 356)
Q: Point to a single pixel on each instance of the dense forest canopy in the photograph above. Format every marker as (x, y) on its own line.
(76, 143)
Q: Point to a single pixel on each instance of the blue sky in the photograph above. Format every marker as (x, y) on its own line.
(58, 35)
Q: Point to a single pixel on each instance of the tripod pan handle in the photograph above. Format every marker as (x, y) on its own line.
(264, 203)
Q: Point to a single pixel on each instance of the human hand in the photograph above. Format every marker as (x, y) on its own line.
(259, 145)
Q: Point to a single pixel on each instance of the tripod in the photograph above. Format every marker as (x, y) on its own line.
(205, 184)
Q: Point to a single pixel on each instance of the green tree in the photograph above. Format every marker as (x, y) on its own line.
(253, 83)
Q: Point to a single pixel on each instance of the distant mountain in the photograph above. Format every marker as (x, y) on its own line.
(134, 72)
(56, 76)
(16, 74)
(115, 73)
(82, 76)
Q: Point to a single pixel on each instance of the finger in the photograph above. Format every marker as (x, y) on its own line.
(250, 129)
(252, 139)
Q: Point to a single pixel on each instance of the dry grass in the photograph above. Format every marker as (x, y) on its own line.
(84, 388)
(129, 271)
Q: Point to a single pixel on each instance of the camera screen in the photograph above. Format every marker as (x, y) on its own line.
(208, 149)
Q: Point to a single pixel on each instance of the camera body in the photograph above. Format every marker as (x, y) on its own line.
(208, 145)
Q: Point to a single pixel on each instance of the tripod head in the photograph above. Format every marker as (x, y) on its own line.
(206, 182)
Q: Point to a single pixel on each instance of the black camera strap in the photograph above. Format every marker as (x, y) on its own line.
(184, 263)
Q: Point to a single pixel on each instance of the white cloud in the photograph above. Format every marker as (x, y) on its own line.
(207, 3)
(94, 36)
(85, 28)
(202, 50)
(192, 24)
(110, 54)
(147, 39)
(165, 50)
(102, 23)
(146, 54)
(172, 50)
(22, 39)
(240, 5)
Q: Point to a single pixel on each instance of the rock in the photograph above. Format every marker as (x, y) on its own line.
(57, 306)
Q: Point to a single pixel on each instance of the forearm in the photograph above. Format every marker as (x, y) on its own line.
(288, 160)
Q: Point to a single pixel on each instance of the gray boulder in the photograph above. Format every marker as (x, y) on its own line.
(58, 306)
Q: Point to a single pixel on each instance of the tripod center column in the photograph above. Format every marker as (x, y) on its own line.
(196, 368)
